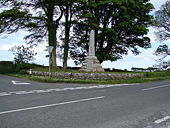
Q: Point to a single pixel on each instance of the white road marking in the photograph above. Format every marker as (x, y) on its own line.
(50, 105)
(162, 120)
(162, 86)
(20, 92)
(18, 82)
(41, 91)
(64, 89)
(4, 94)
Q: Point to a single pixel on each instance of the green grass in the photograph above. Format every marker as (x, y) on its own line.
(153, 76)
(148, 77)
(46, 69)
(61, 80)
(157, 74)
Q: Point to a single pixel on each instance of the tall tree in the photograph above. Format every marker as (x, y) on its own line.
(68, 13)
(120, 26)
(40, 17)
(162, 24)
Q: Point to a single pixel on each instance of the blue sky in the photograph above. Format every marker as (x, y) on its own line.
(144, 59)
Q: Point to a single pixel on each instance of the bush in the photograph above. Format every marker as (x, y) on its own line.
(26, 66)
(114, 70)
(10, 67)
(23, 72)
(7, 67)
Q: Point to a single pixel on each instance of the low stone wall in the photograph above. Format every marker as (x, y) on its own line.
(90, 76)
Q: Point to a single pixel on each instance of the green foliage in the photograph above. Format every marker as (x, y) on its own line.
(39, 17)
(12, 14)
(162, 50)
(162, 22)
(120, 26)
(23, 54)
(58, 69)
(163, 65)
(157, 74)
(7, 67)
(149, 69)
(10, 67)
(23, 72)
(12, 20)
(25, 67)
(20, 15)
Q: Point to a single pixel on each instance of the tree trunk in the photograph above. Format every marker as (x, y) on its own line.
(52, 41)
(67, 36)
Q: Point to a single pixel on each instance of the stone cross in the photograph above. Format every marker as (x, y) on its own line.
(92, 43)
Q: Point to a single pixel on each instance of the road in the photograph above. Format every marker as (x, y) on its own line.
(28, 104)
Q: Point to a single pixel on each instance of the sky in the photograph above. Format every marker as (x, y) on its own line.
(144, 60)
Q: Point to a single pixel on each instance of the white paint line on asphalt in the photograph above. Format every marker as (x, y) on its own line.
(162, 86)
(51, 105)
(41, 91)
(20, 92)
(66, 89)
(162, 120)
(4, 94)
(19, 82)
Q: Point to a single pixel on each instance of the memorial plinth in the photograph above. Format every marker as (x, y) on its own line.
(91, 63)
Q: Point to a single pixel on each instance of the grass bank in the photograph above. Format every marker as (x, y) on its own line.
(148, 77)
(22, 69)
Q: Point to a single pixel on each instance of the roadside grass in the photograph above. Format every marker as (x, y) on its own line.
(7, 67)
(62, 80)
(75, 70)
(46, 69)
(148, 77)
(154, 76)
(157, 74)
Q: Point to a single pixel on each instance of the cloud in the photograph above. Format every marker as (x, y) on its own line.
(143, 60)
(7, 47)
(157, 3)
(151, 34)
(6, 56)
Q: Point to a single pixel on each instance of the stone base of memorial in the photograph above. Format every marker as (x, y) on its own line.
(91, 64)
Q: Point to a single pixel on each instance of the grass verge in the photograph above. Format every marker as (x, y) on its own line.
(148, 77)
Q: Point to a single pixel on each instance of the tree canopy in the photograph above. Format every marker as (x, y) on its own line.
(162, 24)
(120, 26)
(39, 17)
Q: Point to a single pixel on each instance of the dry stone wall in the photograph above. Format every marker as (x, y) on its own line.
(89, 76)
